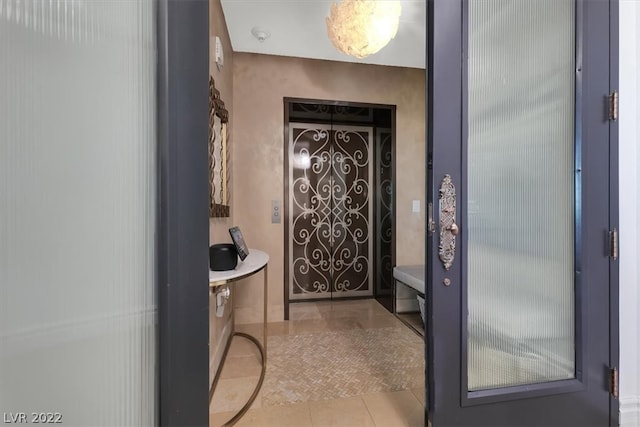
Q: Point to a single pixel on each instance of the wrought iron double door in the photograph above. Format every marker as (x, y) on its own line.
(329, 211)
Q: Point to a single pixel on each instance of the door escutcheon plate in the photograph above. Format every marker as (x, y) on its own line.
(448, 227)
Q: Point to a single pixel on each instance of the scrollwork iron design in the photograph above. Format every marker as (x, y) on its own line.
(329, 211)
(384, 232)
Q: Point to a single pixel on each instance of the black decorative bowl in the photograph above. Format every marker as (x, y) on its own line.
(223, 257)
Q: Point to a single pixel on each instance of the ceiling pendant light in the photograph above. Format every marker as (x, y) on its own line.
(362, 27)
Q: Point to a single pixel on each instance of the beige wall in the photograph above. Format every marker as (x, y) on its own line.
(220, 327)
(259, 84)
(218, 227)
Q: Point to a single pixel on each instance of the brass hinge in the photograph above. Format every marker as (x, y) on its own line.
(613, 244)
(613, 382)
(613, 106)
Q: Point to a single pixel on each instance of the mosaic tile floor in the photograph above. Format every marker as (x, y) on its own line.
(330, 365)
(335, 363)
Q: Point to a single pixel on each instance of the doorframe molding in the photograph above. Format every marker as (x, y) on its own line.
(629, 411)
(285, 217)
(183, 212)
(615, 405)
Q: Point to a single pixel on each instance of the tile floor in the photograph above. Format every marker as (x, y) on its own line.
(352, 393)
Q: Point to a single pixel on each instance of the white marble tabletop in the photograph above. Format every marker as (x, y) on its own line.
(254, 262)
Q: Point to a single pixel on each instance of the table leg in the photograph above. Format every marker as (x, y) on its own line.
(266, 303)
(263, 353)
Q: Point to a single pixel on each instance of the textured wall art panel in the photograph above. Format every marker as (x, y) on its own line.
(330, 211)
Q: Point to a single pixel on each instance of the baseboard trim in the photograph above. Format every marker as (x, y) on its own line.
(630, 411)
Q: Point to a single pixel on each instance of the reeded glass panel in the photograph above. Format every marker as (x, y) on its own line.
(521, 192)
(77, 212)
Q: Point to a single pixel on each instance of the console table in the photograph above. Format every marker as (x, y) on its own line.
(256, 261)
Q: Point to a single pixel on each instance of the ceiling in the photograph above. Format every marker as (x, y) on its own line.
(297, 28)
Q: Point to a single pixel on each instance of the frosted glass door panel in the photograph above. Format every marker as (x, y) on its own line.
(77, 211)
(521, 196)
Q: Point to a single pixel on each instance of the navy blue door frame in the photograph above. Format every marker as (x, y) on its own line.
(183, 212)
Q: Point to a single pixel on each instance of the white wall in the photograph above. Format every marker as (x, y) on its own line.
(629, 213)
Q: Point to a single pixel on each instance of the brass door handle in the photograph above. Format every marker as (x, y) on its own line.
(453, 228)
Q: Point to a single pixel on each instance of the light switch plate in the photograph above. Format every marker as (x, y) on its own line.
(415, 206)
(276, 212)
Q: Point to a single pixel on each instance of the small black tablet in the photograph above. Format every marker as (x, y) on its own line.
(238, 240)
